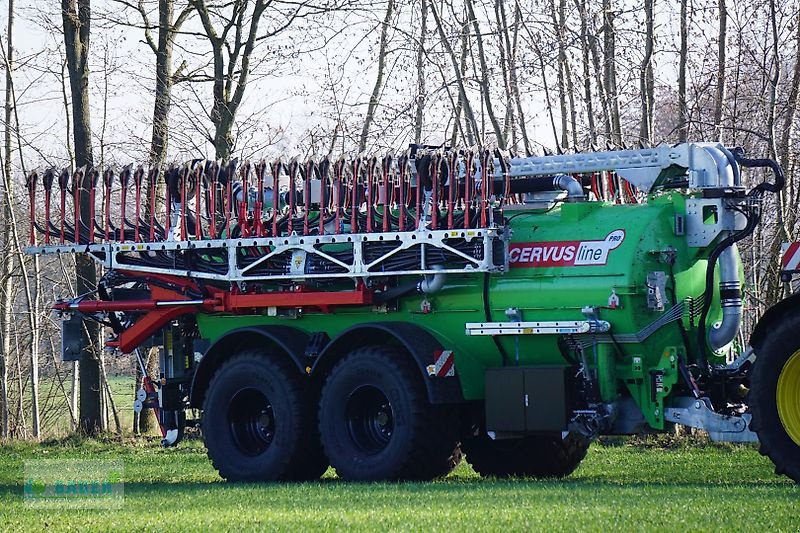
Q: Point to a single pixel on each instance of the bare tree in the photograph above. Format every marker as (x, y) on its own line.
(162, 46)
(233, 31)
(420, 103)
(533, 40)
(376, 89)
(683, 114)
(230, 54)
(791, 107)
(484, 78)
(13, 242)
(583, 13)
(7, 267)
(504, 47)
(462, 91)
(566, 89)
(76, 16)
(594, 48)
(610, 70)
(468, 136)
(646, 83)
(722, 47)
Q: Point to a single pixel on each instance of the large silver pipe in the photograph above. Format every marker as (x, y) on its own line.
(432, 283)
(728, 173)
(573, 187)
(730, 293)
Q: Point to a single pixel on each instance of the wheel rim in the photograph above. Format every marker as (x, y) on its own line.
(370, 420)
(788, 397)
(251, 421)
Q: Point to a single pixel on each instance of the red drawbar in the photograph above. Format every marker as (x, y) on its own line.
(166, 305)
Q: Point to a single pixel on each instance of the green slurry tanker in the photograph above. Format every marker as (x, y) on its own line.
(389, 316)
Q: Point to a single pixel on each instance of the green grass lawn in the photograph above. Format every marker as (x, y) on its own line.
(619, 486)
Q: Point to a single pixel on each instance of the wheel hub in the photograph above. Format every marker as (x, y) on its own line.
(788, 397)
(250, 421)
(370, 421)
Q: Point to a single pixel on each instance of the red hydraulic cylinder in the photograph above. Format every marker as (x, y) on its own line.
(387, 163)
(276, 169)
(152, 176)
(354, 203)
(137, 183)
(77, 182)
(198, 181)
(467, 187)
(402, 163)
(123, 182)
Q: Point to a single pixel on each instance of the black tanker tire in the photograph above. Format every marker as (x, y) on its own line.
(278, 443)
(418, 441)
(310, 461)
(773, 353)
(535, 456)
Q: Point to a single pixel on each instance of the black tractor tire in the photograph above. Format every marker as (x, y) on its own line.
(773, 355)
(535, 456)
(376, 422)
(258, 421)
(310, 462)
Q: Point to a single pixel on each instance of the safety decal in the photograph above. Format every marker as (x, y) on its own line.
(791, 256)
(563, 253)
(443, 364)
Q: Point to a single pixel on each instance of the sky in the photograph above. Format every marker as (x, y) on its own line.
(284, 101)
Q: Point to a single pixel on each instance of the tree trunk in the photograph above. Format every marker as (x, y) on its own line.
(556, 15)
(7, 259)
(547, 99)
(601, 90)
(230, 80)
(791, 108)
(76, 16)
(719, 100)
(683, 112)
(487, 97)
(159, 143)
(376, 89)
(562, 54)
(420, 107)
(587, 77)
(145, 422)
(74, 395)
(14, 251)
(646, 78)
(504, 47)
(782, 233)
(462, 93)
(468, 137)
(573, 114)
(13, 242)
(160, 137)
(514, 80)
(610, 68)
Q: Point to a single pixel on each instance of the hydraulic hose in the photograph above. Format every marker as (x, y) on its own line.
(563, 182)
(738, 155)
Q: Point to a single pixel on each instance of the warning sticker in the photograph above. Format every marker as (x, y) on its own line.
(563, 253)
